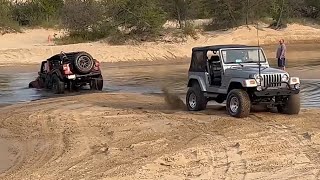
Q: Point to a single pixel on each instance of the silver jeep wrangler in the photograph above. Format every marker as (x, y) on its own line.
(241, 75)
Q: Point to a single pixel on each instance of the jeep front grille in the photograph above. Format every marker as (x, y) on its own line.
(271, 78)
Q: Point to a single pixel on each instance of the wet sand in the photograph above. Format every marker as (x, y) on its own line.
(9, 152)
(6, 161)
(132, 136)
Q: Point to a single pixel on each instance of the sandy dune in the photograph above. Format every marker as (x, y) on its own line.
(131, 136)
(32, 46)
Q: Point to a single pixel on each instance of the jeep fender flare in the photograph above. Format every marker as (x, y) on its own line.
(197, 79)
(240, 83)
(235, 83)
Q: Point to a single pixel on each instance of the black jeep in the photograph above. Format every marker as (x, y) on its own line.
(69, 70)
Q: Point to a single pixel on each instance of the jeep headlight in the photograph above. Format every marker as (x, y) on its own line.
(294, 80)
(285, 78)
(259, 79)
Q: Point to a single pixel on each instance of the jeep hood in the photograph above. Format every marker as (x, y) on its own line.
(246, 72)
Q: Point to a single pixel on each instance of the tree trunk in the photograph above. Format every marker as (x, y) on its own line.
(179, 17)
(184, 13)
(231, 15)
(280, 16)
(247, 15)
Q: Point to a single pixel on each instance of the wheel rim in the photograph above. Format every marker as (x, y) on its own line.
(234, 104)
(192, 100)
(84, 62)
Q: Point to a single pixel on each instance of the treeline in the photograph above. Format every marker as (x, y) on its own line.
(15, 13)
(120, 19)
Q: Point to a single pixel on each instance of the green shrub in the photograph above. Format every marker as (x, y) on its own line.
(190, 30)
(143, 17)
(7, 24)
(37, 12)
(81, 37)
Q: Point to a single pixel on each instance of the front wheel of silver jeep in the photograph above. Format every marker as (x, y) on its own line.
(238, 103)
(291, 105)
(195, 99)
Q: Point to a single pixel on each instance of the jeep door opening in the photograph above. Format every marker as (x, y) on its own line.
(241, 76)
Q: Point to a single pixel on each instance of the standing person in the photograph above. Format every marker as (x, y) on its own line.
(281, 55)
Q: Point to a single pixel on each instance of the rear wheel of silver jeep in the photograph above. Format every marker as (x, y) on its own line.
(195, 99)
(238, 103)
(291, 106)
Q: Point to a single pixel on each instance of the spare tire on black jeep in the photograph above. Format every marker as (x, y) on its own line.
(82, 62)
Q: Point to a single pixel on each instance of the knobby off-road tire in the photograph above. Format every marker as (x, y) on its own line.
(195, 100)
(97, 83)
(291, 106)
(238, 103)
(57, 85)
(83, 62)
(38, 83)
(72, 87)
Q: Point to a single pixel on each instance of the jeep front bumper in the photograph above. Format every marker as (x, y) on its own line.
(278, 91)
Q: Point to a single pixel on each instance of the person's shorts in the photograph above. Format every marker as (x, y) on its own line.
(281, 62)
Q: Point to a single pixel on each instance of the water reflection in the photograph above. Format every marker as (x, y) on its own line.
(13, 88)
(4, 83)
(131, 78)
(310, 93)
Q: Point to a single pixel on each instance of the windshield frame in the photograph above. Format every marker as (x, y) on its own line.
(263, 58)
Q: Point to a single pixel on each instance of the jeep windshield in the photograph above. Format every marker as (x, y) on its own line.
(243, 56)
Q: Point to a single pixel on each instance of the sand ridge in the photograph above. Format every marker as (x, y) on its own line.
(32, 46)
